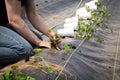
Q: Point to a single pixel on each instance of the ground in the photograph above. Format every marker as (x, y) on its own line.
(92, 60)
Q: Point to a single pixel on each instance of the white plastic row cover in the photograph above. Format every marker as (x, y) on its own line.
(82, 13)
(71, 24)
(72, 19)
(66, 32)
(91, 5)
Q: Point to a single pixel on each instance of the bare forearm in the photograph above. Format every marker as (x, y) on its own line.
(23, 30)
(39, 24)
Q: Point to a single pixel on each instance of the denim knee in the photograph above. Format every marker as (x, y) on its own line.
(23, 49)
(14, 41)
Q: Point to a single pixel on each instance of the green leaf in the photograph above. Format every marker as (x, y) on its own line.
(92, 30)
(38, 50)
(50, 70)
(99, 22)
(20, 76)
(15, 67)
(99, 39)
(30, 78)
(40, 66)
(87, 27)
(33, 58)
(66, 47)
(98, 4)
(1, 77)
(8, 75)
(88, 36)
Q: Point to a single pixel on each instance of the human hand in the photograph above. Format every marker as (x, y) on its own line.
(52, 35)
(55, 39)
(44, 44)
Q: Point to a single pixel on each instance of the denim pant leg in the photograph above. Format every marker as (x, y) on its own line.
(13, 47)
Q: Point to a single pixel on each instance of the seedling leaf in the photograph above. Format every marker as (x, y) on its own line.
(66, 47)
(50, 70)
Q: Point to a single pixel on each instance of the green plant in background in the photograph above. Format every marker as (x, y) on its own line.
(99, 15)
(15, 74)
(99, 22)
(86, 28)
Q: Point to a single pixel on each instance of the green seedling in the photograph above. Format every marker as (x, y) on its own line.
(99, 39)
(14, 74)
(55, 42)
(37, 50)
(85, 30)
(50, 69)
(100, 22)
(98, 16)
(88, 36)
(98, 4)
(15, 67)
(66, 48)
(20, 76)
(33, 59)
(40, 66)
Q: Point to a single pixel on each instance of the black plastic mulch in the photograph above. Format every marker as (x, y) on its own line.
(92, 61)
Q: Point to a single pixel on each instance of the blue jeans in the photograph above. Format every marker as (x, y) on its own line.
(13, 47)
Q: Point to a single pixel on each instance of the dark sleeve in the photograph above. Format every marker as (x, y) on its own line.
(3, 13)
